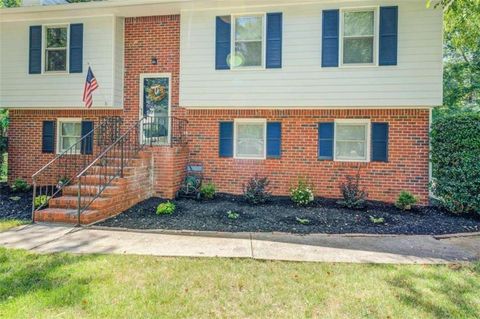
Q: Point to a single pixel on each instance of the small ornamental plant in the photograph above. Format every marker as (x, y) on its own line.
(208, 190)
(257, 190)
(302, 194)
(233, 215)
(377, 220)
(20, 186)
(303, 221)
(167, 208)
(405, 201)
(353, 196)
(41, 201)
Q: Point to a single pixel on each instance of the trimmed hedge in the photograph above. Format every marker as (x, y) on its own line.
(456, 162)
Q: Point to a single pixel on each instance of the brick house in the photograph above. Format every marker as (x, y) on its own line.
(316, 90)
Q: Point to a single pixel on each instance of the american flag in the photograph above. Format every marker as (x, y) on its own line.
(90, 86)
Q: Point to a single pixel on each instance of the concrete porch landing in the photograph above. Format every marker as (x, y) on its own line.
(48, 238)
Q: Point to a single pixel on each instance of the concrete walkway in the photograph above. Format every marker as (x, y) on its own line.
(44, 238)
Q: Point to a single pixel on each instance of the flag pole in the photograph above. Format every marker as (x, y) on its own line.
(99, 88)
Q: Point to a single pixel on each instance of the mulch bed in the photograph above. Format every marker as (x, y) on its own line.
(15, 205)
(280, 215)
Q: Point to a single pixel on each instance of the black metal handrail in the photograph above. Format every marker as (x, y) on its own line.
(61, 171)
(110, 164)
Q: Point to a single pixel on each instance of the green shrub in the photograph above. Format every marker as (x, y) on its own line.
(167, 208)
(257, 190)
(302, 194)
(353, 196)
(377, 220)
(41, 201)
(405, 200)
(208, 190)
(20, 185)
(233, 215)
(456, 162)
(303, 221)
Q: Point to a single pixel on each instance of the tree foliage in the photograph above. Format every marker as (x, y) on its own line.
(10, 3)
(461, 56)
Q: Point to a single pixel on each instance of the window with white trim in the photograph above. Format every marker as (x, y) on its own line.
(359, 37)
(352, 140)
(250, 139)
(69, 133)
(56, 48)
(248, 41)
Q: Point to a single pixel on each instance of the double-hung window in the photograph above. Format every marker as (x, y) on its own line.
(250, 139)
(248, 41)
(359, 37)
(352, 139)
(69, 133)
(56, 48)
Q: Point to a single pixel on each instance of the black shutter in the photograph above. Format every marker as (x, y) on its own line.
(226, 139)
(388, 36)
(379, 142)
(222, 43)
(35, 50)
(330, 38)
(274, 40)
(87, 138)
(48, 137)
(76, 48)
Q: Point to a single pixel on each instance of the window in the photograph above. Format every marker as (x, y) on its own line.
(358, 37)
(56, 44)
(250, 139)
(248, 43)
(69, 133)
(352, 140)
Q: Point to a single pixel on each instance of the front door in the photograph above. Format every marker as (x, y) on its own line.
(155, 90)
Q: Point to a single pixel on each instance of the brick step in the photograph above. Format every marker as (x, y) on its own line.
(91, 190)
(60, 215)
(116, 161)
(111, 170)
(71, 202)
(93, 180)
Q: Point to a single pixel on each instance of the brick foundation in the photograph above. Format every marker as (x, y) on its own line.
(407, 168)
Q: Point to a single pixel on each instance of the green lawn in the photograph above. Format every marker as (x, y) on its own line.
(99, 286)
(10, 223)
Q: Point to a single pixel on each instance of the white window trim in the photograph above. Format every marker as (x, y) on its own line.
(376, 43)
(59, 133)
(256, 121)
(368, 142)
(233, 24)
(44, 49)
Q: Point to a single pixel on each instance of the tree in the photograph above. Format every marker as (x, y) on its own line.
(461, 56)
(10, 3)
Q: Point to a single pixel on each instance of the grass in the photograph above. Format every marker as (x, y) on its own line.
(113, 286)
(10, 223)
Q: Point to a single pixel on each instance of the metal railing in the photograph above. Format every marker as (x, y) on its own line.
(111, 163)
(50, 181)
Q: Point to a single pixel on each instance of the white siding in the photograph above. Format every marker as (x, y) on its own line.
(119, 61)
(18, 89)
(302, 82)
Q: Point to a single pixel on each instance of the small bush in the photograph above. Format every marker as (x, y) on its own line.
(257, 190)
(232, 215)
(302, 194)
(21, 186)
(405, 201)
(377, 220)
(456, 162)
(208, 191)
(41, 201)
(167, 208)
(303, 221)
(353, 196)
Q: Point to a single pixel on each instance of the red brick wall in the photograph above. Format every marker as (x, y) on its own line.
(407, 168)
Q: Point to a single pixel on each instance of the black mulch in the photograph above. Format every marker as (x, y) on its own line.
(280, 215)
(15, 205)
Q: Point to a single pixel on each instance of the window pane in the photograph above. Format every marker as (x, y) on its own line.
(250, 139)
(358, 50)
(350, 150)
(358, 23)
(56, 60)
(249, 28)
(71, 129)
(68, 142)
(351, 132)
(56, 37)
(248, 53)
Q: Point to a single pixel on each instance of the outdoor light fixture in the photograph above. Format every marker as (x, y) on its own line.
(154, 60)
